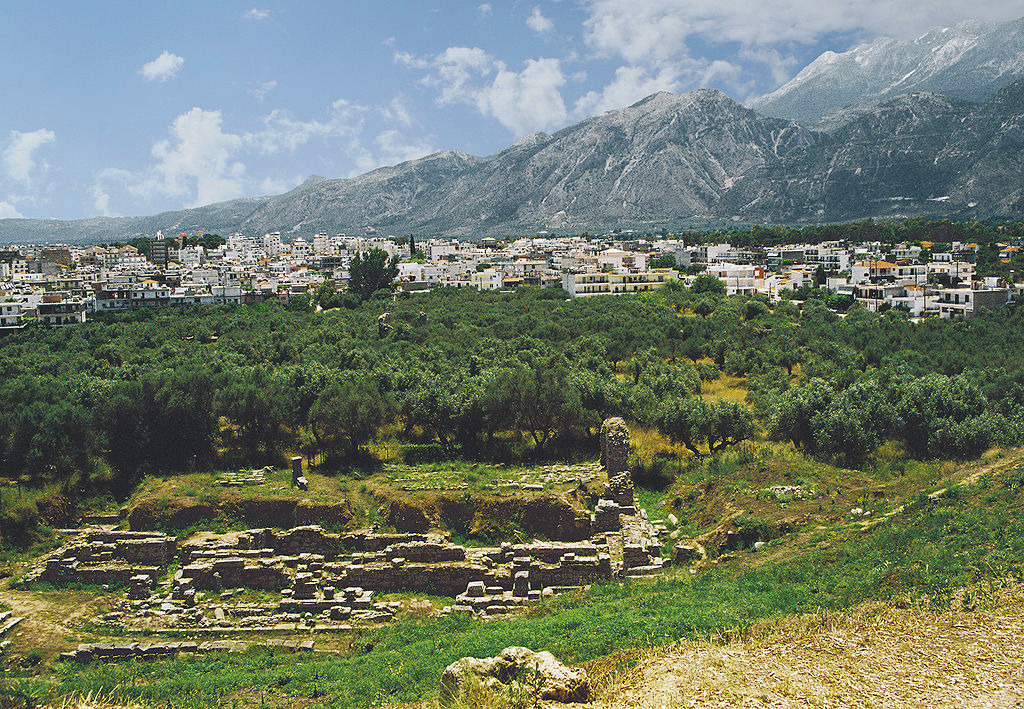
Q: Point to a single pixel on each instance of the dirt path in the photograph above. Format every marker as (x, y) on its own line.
(51, 619)
(876, 656)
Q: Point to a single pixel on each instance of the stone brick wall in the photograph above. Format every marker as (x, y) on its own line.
(437, 579)
(236, 573)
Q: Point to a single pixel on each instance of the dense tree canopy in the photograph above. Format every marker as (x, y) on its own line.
(499, 374)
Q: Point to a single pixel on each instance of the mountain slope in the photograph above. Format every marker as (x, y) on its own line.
(881, 163)
(697, 158)
(666, 157)
(970, 61)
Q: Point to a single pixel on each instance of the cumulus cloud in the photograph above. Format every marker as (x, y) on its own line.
(8, 211)
(484, 9)
(101, 201)
(630, 84)
(522, 101)
(200, 161)
(779, 66)
(528, 100)
(199, 156)
(19, 159)
(162, 68)
(196, 162)
(256, 14)
(538, 23)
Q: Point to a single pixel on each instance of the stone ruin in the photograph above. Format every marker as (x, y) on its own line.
(242, 479)
(614, 445)
(298, 479)
(99, 557)
(327, 580)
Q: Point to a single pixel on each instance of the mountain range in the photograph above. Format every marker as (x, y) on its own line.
(841, 141)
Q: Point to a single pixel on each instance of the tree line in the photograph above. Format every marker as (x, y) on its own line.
(498, 375)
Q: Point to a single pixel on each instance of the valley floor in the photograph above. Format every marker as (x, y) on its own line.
(872, 656)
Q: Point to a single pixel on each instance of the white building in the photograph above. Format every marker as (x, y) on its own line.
(12, 317)
(581, 284)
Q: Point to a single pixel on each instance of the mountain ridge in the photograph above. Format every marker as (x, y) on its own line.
(696, 159)
(970, 61)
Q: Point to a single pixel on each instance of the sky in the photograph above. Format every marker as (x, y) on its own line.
(133, 108)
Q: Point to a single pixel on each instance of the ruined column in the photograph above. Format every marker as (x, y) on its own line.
(614, 454)
(614, 445)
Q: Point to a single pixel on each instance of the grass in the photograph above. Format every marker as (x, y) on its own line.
(188, 503)
(921, 556)
(725, 388)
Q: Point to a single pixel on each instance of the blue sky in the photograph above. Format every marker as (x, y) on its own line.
(131, 108)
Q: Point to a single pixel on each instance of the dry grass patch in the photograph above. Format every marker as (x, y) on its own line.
(875, 655)
(726, 387)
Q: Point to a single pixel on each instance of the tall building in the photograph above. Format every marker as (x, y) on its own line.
(158, 251)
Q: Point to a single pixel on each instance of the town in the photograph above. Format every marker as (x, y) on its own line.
(61, 285)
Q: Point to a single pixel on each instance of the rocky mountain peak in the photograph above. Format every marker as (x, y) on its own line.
(970, 61)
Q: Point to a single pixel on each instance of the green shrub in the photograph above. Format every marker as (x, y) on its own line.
(418, 453)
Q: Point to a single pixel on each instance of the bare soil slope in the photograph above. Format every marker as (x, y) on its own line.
(875, 656)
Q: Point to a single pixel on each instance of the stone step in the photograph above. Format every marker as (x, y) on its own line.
(6, 627)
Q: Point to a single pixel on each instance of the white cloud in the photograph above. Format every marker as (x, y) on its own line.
(101, 200)
(261, 91)
(456, 67)
(523, 101)
(200, 162)
(396, 148)
(8, 211)
(282, 132)
(646, 30)
(411, 60)
(655, 34)
(19, 156)
(199, 156)
(484, 9)
(397, 110)
(538, 23)
(630, 84)
(162, 68)
(279, 185)
(780, 67)
(256, 14)
(197, 163)
(392, 148)
(526, 101)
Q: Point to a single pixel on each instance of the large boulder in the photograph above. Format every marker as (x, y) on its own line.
(520, 672)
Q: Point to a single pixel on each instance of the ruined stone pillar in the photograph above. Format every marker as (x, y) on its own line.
(614, 445)
(296, 469)
(614, 454)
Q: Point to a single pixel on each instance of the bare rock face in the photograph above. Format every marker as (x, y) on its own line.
(520, 672)
(614, 445)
